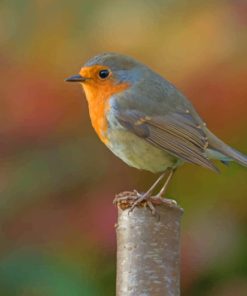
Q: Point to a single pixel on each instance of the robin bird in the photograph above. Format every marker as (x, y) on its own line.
(144, 120)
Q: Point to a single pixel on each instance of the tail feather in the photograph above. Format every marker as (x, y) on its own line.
(218, 145)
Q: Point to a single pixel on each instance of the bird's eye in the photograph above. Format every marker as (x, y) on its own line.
(103, 74)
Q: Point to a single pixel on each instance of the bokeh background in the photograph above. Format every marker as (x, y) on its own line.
(57, 180)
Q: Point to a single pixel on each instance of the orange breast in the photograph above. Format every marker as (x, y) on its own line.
(98, 97)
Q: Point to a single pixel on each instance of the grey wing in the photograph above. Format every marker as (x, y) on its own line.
(177, 133)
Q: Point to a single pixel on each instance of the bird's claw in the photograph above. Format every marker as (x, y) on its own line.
(126, 196)
(132, 199)
(139, 199)
(161, 200)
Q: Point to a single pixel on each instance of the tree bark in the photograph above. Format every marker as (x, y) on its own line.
(148, 250)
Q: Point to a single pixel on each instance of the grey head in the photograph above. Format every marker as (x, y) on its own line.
(123, 67)
(114, 61)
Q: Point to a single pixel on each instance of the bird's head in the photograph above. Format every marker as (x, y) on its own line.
(107, 73)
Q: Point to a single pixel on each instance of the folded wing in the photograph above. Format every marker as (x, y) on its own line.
(177, 133)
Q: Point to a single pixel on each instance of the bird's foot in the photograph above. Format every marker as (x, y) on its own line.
(162, 200)
(132, 199)
(126, 197)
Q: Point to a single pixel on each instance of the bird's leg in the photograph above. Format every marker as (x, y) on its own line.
(136, 195)
(163, 190)
(151, 189)
(147, 195)
(158, 199)
(137, 198)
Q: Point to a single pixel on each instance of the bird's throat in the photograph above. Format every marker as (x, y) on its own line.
(98, 98)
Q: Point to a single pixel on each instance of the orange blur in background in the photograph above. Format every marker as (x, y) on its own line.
(57, 180)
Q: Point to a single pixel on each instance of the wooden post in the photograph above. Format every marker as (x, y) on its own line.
(148, 250)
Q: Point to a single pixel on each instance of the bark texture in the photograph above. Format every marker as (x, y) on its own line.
(148, 251)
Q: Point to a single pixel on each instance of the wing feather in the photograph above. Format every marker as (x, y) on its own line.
(178, 134)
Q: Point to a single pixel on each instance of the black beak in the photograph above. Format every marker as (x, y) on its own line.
(75, 78)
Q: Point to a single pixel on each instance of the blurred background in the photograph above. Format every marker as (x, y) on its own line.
(57, 180)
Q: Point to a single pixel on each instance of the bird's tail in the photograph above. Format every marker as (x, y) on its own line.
(225, 150)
